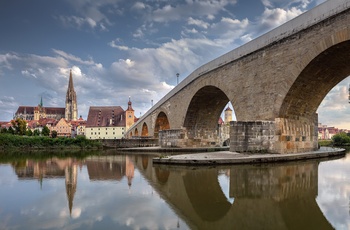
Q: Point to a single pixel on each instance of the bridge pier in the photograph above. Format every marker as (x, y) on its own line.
(284, 135)
(181, 138)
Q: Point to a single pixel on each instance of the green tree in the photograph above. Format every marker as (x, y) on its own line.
(20, 126)
(36, 132)
(341, 139)
(29, 132)
(45, 131)
(10, 130)
(54, 134)
(3, 130)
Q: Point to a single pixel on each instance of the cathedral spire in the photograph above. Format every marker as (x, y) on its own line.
(71, 111)
(70, 83)
(41, 101)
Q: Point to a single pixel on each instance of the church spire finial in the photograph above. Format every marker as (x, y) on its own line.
(70, 84)
(41, 101)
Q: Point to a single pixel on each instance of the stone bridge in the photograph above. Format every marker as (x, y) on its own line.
(275, 84)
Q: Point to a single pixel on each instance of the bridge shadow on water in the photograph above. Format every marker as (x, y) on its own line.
(268, 196)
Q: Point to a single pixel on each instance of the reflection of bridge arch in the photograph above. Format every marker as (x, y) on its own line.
(320, 74)
(208, 200)
(162, 123)
(144, 162)
(204, 111)
(281, 196)
(144, 130)
(162, 175)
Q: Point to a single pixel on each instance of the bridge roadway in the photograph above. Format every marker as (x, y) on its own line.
(275, 84)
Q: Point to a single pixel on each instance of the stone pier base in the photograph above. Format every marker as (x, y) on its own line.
(284, 135)
(178, 138)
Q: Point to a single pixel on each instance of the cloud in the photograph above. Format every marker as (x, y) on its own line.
(77, 22)
(274, 17)
(334, 109)
(286, 4)
(192, 8)
(6, 59)
(90, 14)
(198, 23)
(71, 57)
(139, 6)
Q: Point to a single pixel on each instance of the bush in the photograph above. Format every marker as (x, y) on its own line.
(341, 139)
(15, 141)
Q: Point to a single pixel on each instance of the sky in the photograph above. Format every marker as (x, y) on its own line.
(118, 49)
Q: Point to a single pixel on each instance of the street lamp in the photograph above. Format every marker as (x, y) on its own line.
(177, 78)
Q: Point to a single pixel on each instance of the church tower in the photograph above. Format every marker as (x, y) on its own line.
(71, 112)
(129, 116)
(228, 114)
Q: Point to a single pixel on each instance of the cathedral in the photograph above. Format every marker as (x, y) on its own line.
(70, 112)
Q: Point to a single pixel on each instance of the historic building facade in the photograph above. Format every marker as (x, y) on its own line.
(108, 122)
(70, 112)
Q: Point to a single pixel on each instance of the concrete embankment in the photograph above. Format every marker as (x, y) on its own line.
(226, 157)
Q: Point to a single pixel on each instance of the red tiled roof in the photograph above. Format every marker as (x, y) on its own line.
(220, 121)
(45, 121)
(104, 116)
(48, 110)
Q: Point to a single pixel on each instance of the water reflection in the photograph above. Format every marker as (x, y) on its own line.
(265, 197)
(128, 192)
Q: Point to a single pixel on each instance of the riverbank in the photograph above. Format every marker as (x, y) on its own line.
(226, 157)
(10, 142)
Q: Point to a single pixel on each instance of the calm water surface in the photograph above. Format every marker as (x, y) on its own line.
(128, 192)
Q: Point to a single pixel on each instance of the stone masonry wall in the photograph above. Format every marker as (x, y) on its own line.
(179, 138)
(284, 135)
(252, 136)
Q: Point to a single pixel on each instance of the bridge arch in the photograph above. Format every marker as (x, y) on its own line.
(162, 123)
(318, 77)
(203, 112)
(144, 132)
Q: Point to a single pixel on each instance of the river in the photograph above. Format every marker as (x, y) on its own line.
(111, 191)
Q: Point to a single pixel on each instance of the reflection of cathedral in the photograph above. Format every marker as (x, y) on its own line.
(99, 168)
(52, 169)
(71, 173)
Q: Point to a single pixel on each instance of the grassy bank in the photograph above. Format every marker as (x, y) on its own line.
(8, 141)
(325, 142)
